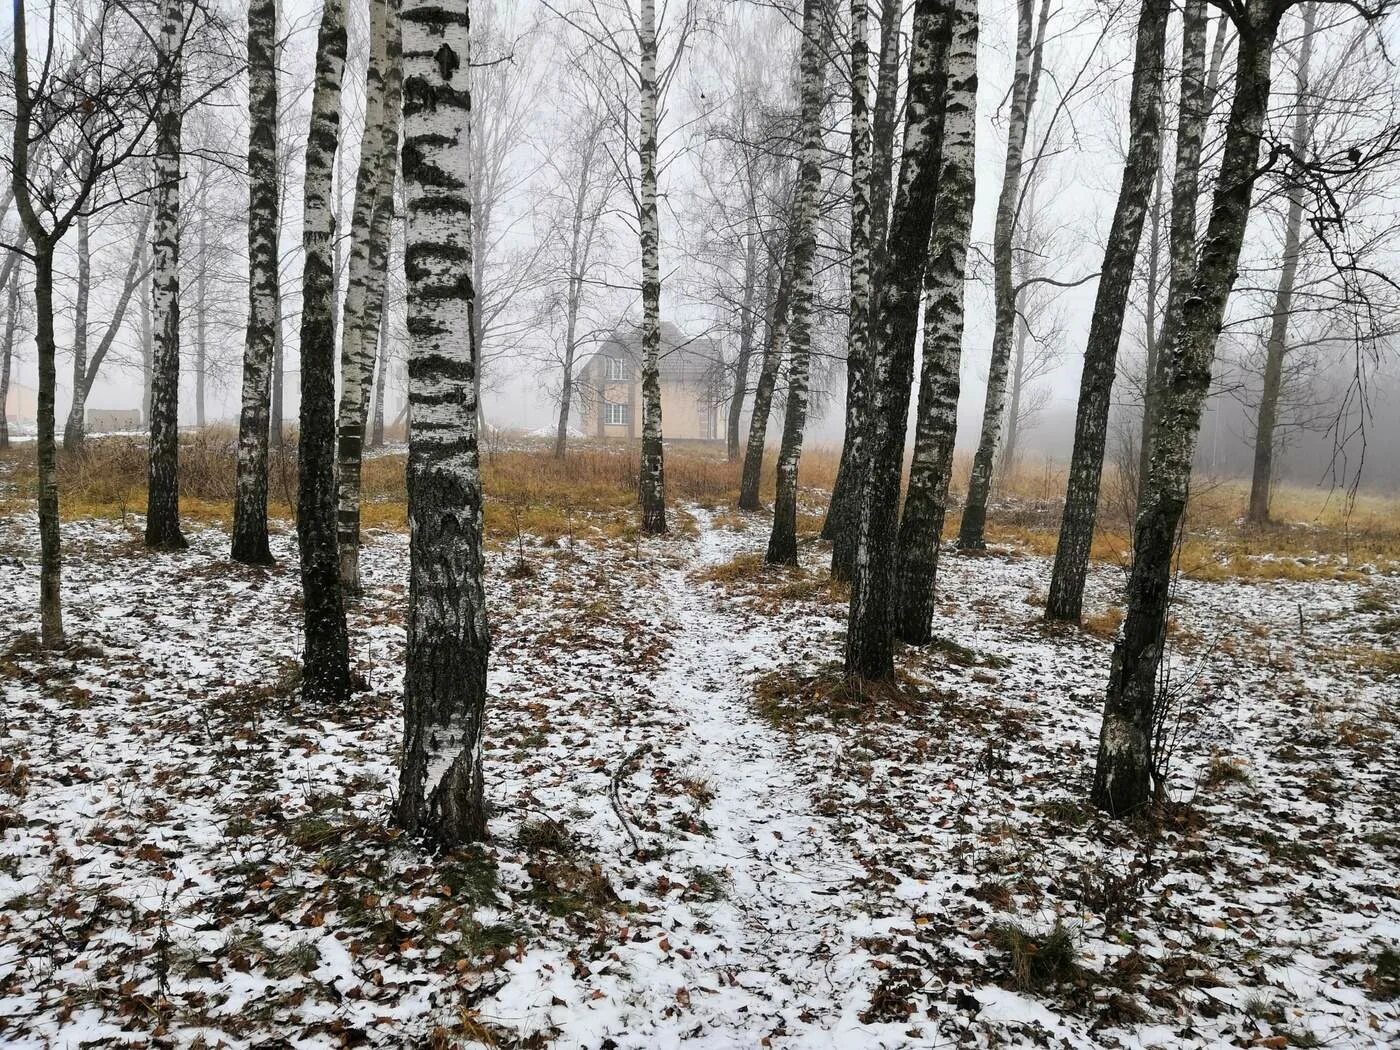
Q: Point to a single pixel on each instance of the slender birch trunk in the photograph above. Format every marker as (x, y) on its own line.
(325, 662)
(1126, 760)
(163, 486)
(358, 327)
(747, 327)
(972, 531)
(74, 430)
(1153, 329)
(148, 337)
(926, 502)
(201, 321)
(1106, 325)
(651, 477)
(7, 350)
(376, 433)
(1277, 345)
(250, 544)
(1012, 447)
(773, 348)
(870, 635)
(440, 783)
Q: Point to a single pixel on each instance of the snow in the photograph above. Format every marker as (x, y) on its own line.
(189, 854)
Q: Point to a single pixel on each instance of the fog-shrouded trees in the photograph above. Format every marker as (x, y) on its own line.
(440, 783)
(325, 658)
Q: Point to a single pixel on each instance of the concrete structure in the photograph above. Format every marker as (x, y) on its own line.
(693, 388)
(110, 420)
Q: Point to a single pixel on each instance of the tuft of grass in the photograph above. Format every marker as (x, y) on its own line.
(1103, 624)
(1221, 771)
(805, 702)
(544, 835)
(1039, 962)
(1383, 977)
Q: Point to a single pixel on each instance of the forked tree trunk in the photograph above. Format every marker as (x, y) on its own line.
(1126, 760)
(651, 479)
(374, 188)
(250, 544)
(440, 783)
(870, 635)
(926, 503)
(782, 540)
(74, 431)
(1266, 422)
(773, 348)
(972, 531)
(163, 485)
(325, 661)
(1106, 325)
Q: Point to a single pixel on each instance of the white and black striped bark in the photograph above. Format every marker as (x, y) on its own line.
(870, 634)
(972, 531)
(163, 480)
(73, 430)
(782, 540)
(926, 502)
(325, 659)
(748, 326)
(773, 347)
(651, 479)
(1266, 419)
(7, 350)
(381, 372)
(359, 319)
(148, 335)
(440, 783)
(1125, 763)
(1106, 325)
(250, 544)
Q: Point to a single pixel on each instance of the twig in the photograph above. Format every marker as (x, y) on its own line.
(617, 801)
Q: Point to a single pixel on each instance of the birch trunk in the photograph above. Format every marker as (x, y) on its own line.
(926, 502)
(250, 544)
(148, 338)
(358, 329)
(1106, 326)
(201, 321)
(325, 662)
(440, 784)
(1152, 329)
(163, 485)
(870, 636)
(1277, 345)
(972, 531)
(1126, 762)
(651, 477)
(74, 430)
(747, 327)
(7, 349)
(773, 348)
(1012, 449)
(782, 540)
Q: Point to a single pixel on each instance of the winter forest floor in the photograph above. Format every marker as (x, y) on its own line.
(700, 837)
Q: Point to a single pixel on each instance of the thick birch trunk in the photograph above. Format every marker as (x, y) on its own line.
(325, 661)
(782, 540)
(870, 635)
(926, 503)
(163, 485)
(773, 348)
(440, 784)
(250, 543)
(651, 476)
(74, 430)
(1106, 326)
(1125, 764)
(972, 531)
(1277, 345)
(358, 326)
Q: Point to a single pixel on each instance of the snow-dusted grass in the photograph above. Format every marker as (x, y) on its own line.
(189, 854)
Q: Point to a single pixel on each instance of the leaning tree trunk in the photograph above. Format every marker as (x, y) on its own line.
(326, 661)
(148, 335)
(773, 347)
(74, 431)
(782, 541)
(163, 485)
(1126, 757)
(250, 544)
(7, 349)
(440, 783)
(747, 326)
(1106, 325)
(972, 531)
(1277, 345)
(870, 635)
(872, 174)
(374, 187)
(651, 481)
(926, 503)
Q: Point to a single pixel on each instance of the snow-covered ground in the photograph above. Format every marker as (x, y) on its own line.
(689, 847)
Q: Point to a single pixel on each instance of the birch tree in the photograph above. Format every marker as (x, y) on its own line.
(163, 476)
(782, 541)
(13, 306)
(440, 782)
(250, 543)
(870, 634)
(1106, 325)
(325, 660)
(774, 345)
(651, 477)
(73, 429)
(926, 502)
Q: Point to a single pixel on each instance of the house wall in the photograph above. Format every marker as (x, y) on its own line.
(686, 411)
(21, 403)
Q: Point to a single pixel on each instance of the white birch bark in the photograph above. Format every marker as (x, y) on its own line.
(74, 430)
(651, 477)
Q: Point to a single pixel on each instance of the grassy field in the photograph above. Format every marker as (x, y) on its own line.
(1319, 534)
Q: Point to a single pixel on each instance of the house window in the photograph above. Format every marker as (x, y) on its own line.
(615, 370)
(615, 413)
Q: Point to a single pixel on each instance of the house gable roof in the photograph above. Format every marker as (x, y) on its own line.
(682, 357)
